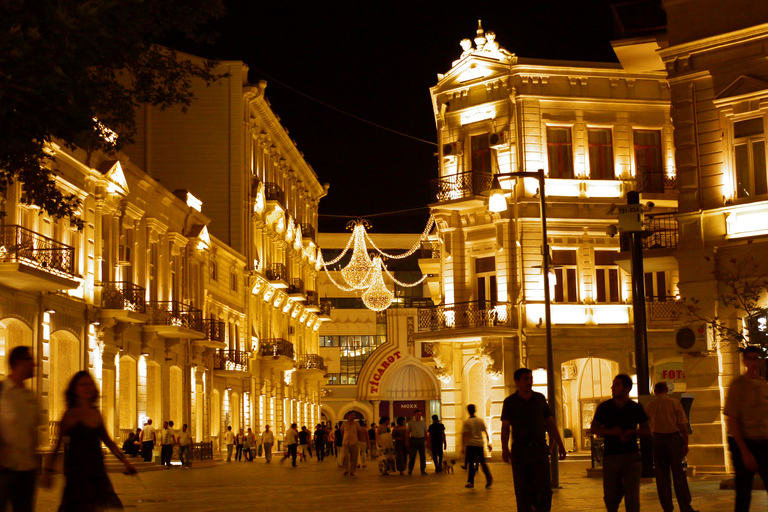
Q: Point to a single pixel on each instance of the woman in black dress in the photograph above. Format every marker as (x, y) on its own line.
(401, 451)
(88, 488)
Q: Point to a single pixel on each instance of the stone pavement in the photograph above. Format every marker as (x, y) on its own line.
(321, 486)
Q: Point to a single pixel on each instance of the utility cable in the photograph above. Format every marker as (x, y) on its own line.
(329, 215)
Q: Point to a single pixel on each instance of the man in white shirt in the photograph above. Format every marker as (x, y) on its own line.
(147, 441)
(291, 443)
(19, 419)
(268, 439)
(229, 440)
(472, 441)
(416, 433)
(185, 446)
(166, 446)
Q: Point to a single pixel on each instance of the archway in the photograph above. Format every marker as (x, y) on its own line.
(64, 363)
(586, 382)
(176, 396)
(127, 401)
(13, 333)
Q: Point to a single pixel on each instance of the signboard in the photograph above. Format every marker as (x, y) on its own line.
(408, 408)
(630, 217)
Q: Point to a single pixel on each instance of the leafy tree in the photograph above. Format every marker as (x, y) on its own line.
(743, 287)
(74, 72)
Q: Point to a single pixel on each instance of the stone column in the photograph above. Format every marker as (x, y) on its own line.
(108, 391)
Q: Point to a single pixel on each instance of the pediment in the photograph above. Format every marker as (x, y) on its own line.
(113, 172)
(473, 68)
(742, 86)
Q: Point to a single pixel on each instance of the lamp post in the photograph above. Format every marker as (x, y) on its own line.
(498, 203)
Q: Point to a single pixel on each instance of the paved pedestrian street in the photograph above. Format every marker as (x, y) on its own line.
(321, 486)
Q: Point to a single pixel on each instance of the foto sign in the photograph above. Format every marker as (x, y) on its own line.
(630, 217)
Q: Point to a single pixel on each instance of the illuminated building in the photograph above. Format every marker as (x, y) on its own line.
(598, 131)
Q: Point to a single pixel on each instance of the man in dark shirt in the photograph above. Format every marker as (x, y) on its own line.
(320, 441)
(372, 447)
(437, 441)
(527, 414)
(620, 420)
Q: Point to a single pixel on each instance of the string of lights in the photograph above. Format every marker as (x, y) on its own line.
(412, 250)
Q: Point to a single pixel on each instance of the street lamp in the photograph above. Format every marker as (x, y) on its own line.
(497, 203)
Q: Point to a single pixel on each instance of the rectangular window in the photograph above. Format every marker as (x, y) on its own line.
(233, 281)
(481, 154)
(560, 152)
(485, 273)
(564, 262)
(749, 158)
(648, 162)
(606, 277)
(212, 269)
(656, 286)
(600, 154)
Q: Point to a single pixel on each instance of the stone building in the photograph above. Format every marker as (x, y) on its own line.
(598, 131)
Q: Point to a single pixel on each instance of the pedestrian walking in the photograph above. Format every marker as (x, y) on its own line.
(250, 444)
(472, 444)
(320, 442)
(147, 440)
(416, 442)
(19, 419)
(239, 445)
(303, 443)
(267, 440)
(437, 441)
(399, 435)
(350, 435)
(620, 420)
(362, 444)
(87, 485)
(372, 448)
(229, 441)
(746, 411)
(526, 414)
(185, 446)
(291, 441)
(166, 445)
(338, 441)
(386, 447)
(330, 440)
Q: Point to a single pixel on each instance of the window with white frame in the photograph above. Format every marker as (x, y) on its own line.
(560, 152)
(648, 160)
(564, 262)
(485, 274)
(656, 286)
(749, 157)
(600, 154)
(606, 277)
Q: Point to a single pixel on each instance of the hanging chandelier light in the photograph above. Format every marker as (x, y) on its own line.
(358, 270)
(377, 297)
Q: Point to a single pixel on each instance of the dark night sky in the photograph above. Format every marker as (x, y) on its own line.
(377, 60)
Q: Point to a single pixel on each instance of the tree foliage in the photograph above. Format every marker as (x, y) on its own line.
(742, 290)
(75, 71)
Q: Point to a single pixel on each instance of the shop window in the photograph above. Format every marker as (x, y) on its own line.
(481, 154)
(566, 272)
(560, 152)
(749, 158)
(600, 154)
(606, 277)
(648, 161)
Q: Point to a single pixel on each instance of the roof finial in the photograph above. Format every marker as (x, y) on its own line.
(480, 39)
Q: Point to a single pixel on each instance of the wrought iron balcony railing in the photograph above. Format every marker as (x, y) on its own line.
(661, 232)
(429, 250)
(21, 245)
(276, 347)
(325, 308)
(308, 231)
(230, 359)
(295, 286)
(664, 308)
(459, 186)
(311, 362)
(312, 299)
(277, 272)
(466, 315)
(654, 181)
(215, 330)
(427, 349)
(273, 192)
(123, 295)
(174, 313)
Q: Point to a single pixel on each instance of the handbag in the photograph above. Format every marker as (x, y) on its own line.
(259, 450)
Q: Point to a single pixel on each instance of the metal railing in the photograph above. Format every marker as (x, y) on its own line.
(21, 245)
(230, 359)
(662, 231)
(465, 315)
(654, 181)
(295, 286)
(215, 330)
(202, 451)
(325, 308)
(427, 349)
(276, 347)
(311, 362)
(461, 185)
(171, 312)
(273, 192)
(123, 295)
(308, 231)
(276, 272)
(430, 250)
(664, 308)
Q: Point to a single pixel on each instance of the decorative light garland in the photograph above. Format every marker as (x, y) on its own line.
(377, 297)
(413, 249)
(358, 270)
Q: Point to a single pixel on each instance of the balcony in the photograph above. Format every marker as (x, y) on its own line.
(427, 350)
(466, 321)
(215, 334)
(656, 185)
(660, 238)
(30, 261)
(429, 263)
(311, 367)
(277, 275)
(296, 289)
(664, 309)
(462, 187)
(276, 354)
(173, 319)
(230, 360)
(308, 231)
(123, 301)
(312, 303)
(273, 192)
(324, 311)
